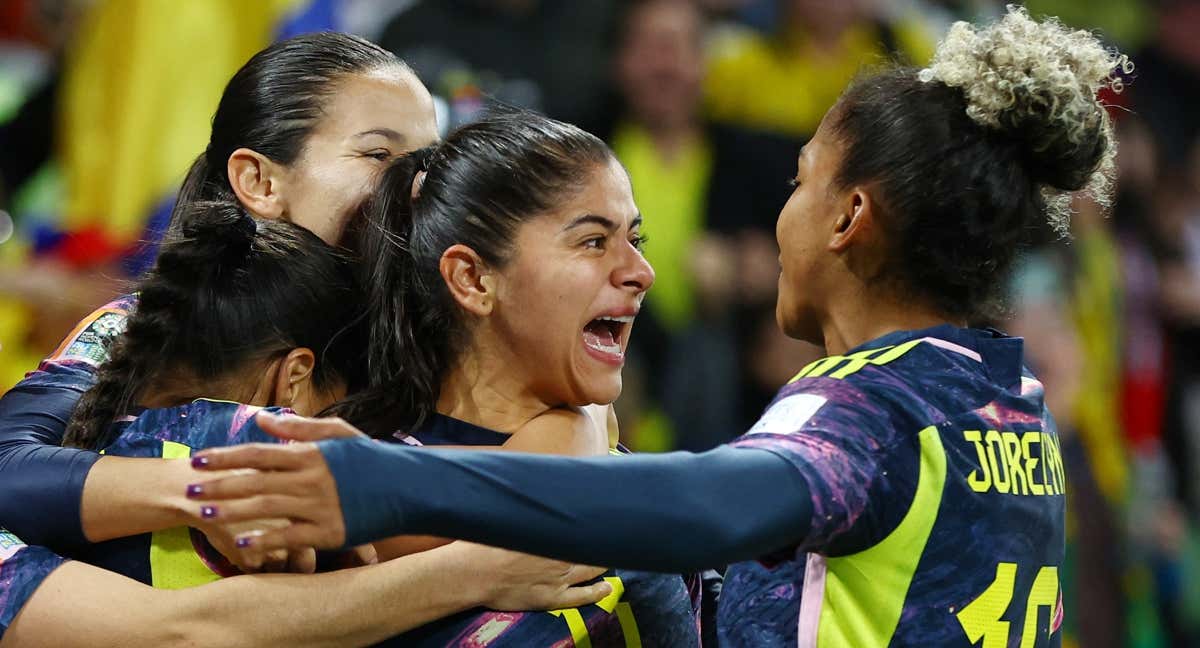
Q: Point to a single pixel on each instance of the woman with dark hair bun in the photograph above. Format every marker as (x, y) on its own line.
(912, 479)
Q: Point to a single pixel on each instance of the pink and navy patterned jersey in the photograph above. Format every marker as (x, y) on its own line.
(646, 609)
(180, 557)
(22, 570)
(938, 502)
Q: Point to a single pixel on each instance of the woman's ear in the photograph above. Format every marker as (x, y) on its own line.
(294, 382)
(855, 222)
(469, 279)
(257, 181)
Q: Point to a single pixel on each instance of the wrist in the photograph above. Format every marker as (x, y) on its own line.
(165, 498)
(474, 581)
(124, 496)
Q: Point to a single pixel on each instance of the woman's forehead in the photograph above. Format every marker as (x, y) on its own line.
(394, 105)
(607, 192)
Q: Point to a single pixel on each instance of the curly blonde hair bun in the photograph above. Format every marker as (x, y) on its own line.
(1038, 82)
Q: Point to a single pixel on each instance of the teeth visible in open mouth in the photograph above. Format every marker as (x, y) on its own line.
(614, 349)
(625, 319)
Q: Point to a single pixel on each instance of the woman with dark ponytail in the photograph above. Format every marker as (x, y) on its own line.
(910, 483)
(505, 272)
(465, 261)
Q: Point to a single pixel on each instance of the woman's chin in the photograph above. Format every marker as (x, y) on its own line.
(601, 392)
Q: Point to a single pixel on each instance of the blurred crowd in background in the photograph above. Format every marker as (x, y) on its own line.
(104, 103)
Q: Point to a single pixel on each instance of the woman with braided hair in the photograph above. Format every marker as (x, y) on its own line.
(300, 134)
(912, 478)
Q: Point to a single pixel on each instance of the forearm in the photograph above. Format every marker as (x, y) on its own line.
(358, 606)
(673, 512)
(81, 605)
(126, 496)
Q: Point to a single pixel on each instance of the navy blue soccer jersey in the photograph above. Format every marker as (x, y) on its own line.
(646, 609)
(179, 557)
(938, 501)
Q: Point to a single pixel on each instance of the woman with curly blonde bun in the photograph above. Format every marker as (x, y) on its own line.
(910, 483)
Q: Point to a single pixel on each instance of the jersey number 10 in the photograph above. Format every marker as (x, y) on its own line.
(981, 619)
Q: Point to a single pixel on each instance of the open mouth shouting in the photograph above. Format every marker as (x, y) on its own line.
(606, 337)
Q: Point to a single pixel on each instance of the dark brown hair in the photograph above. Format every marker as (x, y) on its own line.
(481, 183)
(225, 290)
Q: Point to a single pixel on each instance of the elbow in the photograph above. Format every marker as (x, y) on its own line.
(730, 543)
(208, 634)
(193, 633)
(732, 540)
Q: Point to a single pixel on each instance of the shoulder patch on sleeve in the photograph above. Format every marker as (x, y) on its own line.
(9, 545)
(788, 414)
(90, 341)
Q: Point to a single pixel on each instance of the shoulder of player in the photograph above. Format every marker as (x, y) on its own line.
(560, 430)
(9, 544)
(202, 423)
(896, 371)
(87, 344)
(878, 395)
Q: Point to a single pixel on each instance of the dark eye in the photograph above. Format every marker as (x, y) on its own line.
(638, 241)
(381, 155)
(596, 242)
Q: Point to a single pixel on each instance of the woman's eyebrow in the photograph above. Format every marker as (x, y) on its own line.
(603, 221)
(592, 219)
(385, 132)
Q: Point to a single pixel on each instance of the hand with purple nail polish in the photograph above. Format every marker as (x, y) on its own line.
(290, 482)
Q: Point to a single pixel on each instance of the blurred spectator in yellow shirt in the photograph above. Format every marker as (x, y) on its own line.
(784, 82)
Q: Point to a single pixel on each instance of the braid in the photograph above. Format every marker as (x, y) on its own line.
(136, 355)
(227, 292)
(209, 241)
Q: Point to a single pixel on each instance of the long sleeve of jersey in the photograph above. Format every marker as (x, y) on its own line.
(671, 512)
(41, 483)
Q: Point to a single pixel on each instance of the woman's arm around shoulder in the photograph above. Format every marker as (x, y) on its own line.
(82, 605)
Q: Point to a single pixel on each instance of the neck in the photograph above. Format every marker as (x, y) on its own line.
(481, 390)
(178, 387)
(854, 321)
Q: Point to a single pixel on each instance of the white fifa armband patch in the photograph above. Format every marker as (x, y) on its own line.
(788, 414)
(9, 545)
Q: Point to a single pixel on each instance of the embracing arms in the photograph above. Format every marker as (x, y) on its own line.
(672, 512)
(74, 606)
